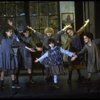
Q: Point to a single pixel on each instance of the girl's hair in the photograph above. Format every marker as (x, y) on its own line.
(51, 40)
(25, 30)
(49, 30)
(6, 29)
(89, 35)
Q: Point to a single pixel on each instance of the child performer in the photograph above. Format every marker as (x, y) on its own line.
(93, 54)
(54, 55)
(8, 59)
(48, 33)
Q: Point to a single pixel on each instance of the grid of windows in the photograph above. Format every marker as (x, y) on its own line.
(40, 14)
(43, 14)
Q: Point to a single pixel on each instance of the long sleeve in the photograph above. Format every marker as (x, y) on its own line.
(66, 52)
(82, 51)
(17, 43)
(39, 35)
(81, 30)
(42, 57)
(58, 35)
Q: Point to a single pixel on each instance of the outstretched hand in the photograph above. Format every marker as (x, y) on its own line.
(39, 49)
(36, 60)
(30, 49)
(74, 57)
(87, 21)
(67, 26)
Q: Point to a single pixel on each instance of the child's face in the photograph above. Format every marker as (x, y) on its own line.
(49, 34)
(86, 39)
(26, 33)
(9, 33)
(51, 45)
(70, 32)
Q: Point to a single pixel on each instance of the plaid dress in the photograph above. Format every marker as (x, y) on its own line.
(56, 61)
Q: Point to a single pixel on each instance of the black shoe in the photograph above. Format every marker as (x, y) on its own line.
(17, 86)
(32, 82)
(56, 86)
(13, 86)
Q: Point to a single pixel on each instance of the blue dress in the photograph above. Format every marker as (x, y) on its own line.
(1, 37)
(8, 58)
(0, 57)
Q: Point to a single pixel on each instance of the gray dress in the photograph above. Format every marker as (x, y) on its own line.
(93, 56)
(23, 52)
(1, 36)
(26, 54)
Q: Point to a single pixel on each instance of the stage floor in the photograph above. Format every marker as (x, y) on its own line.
(42, 89)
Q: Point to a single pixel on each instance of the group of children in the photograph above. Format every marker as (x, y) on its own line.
(52, 54)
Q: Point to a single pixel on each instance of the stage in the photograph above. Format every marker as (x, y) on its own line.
(41, 89)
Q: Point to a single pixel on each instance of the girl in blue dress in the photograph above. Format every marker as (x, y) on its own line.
(8, 59)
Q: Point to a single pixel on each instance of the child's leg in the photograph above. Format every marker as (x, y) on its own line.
(30, 76)
(70, 74)
(2, 75)
(89, 76)
(48, 74)
(2, 79)
(13, 78)
(17, 75)
(80, 77)
(55, 79)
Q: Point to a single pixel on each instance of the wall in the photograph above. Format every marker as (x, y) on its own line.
(89, 12)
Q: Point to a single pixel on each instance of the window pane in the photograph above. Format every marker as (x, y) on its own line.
(20, 9)
(2, 23)
(10, 9)
(33, 8)
(43, 8)
(2, 9)
(53, 22)
(34, 22)
(52, 10)
(43, 22)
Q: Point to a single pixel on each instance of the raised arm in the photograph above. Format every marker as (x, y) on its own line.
(38, 34)
(59, 33)
(83, 27)
(15, 30)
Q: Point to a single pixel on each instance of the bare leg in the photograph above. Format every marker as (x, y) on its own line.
(2, 79)
(30, 76)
